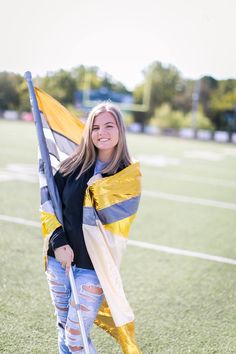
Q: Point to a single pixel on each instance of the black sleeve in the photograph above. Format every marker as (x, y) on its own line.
(58, 237)
(60, 182)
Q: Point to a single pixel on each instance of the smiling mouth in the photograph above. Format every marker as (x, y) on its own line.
(103, 140)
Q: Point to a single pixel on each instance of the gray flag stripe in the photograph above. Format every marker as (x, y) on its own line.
(52, 149)
(119, 211)
(44, 193)
(64, 144)
(112, 213)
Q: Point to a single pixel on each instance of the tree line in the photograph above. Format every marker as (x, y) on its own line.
(170, 96)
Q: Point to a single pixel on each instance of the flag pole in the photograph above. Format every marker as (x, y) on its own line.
(77, 306)
(53, 193)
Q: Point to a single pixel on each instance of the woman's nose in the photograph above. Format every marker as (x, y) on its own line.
(100, 130)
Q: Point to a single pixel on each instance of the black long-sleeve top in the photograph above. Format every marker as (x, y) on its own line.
(72, 192)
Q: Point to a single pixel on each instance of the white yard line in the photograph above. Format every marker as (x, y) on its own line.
(9, 176)
(190, 200)
(19, 221)
(191, 178)
(28, 173)
(181, 252)
(140, 244)
(17, 178)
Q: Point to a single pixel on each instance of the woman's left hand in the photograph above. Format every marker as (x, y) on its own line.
(65, 255)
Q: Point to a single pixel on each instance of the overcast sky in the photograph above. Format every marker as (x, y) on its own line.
(121, 37)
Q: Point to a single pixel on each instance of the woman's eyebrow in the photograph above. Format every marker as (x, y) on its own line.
(97, 125)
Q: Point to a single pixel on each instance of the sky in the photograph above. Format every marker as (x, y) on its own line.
(121, 37)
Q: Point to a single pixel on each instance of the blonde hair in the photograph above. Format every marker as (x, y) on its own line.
(86, 153)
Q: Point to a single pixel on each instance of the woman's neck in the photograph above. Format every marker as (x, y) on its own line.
(104, 155)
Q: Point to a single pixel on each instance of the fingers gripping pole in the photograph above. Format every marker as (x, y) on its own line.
(81, 322)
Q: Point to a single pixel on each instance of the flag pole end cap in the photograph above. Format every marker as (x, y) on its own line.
(28, 75)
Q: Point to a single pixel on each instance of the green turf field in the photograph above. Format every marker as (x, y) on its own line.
(183, 304)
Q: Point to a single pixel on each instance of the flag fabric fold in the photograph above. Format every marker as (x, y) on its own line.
(110, 206)
(61, 133)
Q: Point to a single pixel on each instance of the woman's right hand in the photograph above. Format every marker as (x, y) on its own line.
(65, 256)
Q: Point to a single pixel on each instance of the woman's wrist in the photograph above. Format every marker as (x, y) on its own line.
(58, 238)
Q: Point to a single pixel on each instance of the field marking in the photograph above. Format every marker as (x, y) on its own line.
(140, 244)
(158, 160)
(19, 172)
(204, 155)
(190, 200)
(191, 178)
(28, 173)
(182, 252)
(19, 220)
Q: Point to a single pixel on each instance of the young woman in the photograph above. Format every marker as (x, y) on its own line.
(102, 155)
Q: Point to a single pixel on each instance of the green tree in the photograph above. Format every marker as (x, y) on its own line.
(163, 81)
(24, 101)
(61, 85)
(182, 100)
(208, 88)
(86, 77)
(78, 74)
(220, 105)
(113, 85)
(9, 95)
(165, 118)
(202, 121)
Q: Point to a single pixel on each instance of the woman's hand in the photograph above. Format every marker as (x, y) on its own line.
(65, 256)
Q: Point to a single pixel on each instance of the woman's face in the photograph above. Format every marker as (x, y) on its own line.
(105, 134)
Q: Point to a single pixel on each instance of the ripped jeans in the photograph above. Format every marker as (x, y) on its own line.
(90, 298)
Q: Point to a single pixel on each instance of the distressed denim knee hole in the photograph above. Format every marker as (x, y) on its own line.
(75, 349)
(82, 307)
(93, 289)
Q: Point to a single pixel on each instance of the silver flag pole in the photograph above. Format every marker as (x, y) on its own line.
(81, 322)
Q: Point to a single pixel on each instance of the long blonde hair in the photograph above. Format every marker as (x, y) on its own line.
(86, 153)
